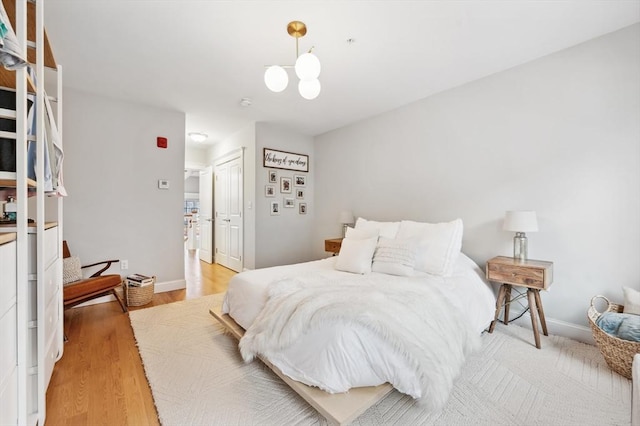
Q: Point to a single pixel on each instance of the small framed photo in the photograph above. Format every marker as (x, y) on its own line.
(300, 194)
(275, 208)
(289, 203)
(269, 190)
(300, 180)
(285, 185)
(273, 176)
(302, 208)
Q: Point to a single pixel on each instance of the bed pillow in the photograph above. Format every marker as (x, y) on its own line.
(360, 234)
(437, 244)
(631, 301)
(385, 229)
(71, 270)
(356, 255)
(394, 257)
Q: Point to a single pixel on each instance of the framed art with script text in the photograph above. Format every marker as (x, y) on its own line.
(285, 160)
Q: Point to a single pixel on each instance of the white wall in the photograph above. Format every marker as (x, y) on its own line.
(111, 169)
(287, 238)
(559, 135)
(271, 240)
(192, 184)
(195, 157)
(245, 138)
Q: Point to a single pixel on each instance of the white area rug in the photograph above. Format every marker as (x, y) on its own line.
(197, 377)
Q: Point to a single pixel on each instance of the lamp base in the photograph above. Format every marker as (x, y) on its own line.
(520, 246)
(344, 229)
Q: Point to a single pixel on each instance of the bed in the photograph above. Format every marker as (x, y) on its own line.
(334, 332)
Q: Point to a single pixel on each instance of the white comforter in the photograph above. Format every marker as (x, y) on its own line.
(358, 352)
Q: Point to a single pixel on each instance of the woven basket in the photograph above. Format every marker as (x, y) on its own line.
(617, 352)
(138, 296)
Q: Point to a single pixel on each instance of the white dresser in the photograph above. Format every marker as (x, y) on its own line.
(31, 330)
(46, 330)
(8, 331)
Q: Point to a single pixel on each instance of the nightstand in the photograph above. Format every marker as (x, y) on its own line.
(535, 275)
(333, 245)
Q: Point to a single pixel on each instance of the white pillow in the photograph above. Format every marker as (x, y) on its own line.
(385, 229)
(356, 255)
(438, 244)
(360, 234)
(71, 270)
(631, 301)
(394, 257)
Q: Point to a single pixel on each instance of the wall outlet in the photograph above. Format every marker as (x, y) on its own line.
(124, 265)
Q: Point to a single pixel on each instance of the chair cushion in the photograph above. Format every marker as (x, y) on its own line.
(71, 270)
(90, 286)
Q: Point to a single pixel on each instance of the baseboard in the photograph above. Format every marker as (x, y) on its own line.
(170, 286)
(561, 328)
(159, 288)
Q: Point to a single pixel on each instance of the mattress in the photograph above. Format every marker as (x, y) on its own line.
(466, 289)
(341, 357)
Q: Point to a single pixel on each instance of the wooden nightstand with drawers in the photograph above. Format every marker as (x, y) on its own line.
(333, 245)
(535, 275)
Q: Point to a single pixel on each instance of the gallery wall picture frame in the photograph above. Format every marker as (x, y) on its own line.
(285, 185)
(300, 194)
(274, 208)
(269, 190)
(276, 159)
(302, 208)
(299, 180)
(289, 203)
(273, 176)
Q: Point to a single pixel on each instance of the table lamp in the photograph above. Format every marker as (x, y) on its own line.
(346, 219)
(520, 222)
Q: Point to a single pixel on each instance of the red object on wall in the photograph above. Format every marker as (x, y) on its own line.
(162, 142)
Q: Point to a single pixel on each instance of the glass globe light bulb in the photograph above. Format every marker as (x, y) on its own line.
(276, 78)
(308, 67)
(309, 89)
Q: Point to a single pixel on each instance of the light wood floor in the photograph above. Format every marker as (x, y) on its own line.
(100, 379)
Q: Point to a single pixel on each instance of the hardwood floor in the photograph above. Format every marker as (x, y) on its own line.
(100, 379)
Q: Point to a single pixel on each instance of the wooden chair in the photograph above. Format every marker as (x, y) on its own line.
(96, 285)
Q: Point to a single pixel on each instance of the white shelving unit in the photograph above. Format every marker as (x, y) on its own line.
(38, 246)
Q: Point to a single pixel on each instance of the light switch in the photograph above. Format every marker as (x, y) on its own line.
(163, 184)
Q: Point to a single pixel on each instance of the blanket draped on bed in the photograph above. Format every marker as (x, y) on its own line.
(409, 313)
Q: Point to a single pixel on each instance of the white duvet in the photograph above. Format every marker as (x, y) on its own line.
(352, 347)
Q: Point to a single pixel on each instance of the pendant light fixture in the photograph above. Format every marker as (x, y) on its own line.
(307, 68)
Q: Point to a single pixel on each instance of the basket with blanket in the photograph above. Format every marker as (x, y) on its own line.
(617, 332)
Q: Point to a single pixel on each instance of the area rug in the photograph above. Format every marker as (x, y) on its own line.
(198, 378)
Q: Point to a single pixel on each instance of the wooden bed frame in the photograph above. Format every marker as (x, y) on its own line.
(340, 408)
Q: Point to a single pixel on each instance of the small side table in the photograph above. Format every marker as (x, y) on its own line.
(333, 245)
(535, 275)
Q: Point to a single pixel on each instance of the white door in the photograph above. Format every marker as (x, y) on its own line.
(229, 212)
(205, 216)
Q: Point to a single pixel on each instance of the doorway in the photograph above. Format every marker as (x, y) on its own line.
(228, 206)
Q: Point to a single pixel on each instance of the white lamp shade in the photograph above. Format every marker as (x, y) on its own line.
(520, 221)
(276, 78)
(309, 89)
(307, 67)
(346, 217)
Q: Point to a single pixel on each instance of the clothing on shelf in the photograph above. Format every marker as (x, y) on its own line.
(8, 146)
(11, 56)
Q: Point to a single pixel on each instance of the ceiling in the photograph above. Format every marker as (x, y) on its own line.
(203, 57)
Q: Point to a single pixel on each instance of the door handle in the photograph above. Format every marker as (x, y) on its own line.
(227, 220)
